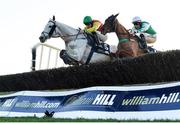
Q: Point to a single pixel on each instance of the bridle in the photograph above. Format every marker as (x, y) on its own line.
(54, 29)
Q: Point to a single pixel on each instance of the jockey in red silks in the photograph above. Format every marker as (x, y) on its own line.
(94, 26)
(144, 31)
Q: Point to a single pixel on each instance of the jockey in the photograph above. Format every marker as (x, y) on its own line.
(144, 31)
(94, 27)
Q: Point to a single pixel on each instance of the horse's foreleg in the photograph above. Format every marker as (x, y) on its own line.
(125, 50)
(135, 48)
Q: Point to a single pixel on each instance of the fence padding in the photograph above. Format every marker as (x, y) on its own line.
(151, 68)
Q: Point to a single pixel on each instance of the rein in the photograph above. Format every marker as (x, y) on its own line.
(123, 36)
(62, 36)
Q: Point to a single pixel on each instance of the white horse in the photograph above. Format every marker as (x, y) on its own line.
(78, 48)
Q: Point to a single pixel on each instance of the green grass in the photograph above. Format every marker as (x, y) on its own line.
(47, 119)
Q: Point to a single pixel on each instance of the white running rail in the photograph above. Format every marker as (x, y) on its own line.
(48, 57)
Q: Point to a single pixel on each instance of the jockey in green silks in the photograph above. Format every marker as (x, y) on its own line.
(144, 31)
(94, 26)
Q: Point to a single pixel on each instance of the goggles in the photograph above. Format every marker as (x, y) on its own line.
(87, 23)
(137, 23)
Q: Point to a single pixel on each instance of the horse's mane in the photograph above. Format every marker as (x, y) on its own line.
(122, 28)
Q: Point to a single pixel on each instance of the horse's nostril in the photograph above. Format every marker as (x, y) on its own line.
(41, 39)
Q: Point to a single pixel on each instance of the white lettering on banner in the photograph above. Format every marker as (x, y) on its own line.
(23, 104)
(45, 104)
(39, 104)
(8, 102)
(142, 100)
(82, 101)
(104, 99)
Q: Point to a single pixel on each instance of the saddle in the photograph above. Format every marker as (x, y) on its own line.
(96, 44)
(92, 38)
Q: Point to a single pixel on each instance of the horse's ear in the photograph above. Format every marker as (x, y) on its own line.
(116, 15)
(53, 18)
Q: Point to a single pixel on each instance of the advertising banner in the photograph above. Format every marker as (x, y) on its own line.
(97, 99)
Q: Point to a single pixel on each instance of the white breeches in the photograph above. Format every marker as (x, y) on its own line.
(101, 37)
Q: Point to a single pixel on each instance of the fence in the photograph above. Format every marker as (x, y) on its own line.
(45, 56)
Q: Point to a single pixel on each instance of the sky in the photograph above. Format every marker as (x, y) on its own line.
(22, 21)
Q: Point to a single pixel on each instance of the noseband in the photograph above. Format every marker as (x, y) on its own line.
(52, 29)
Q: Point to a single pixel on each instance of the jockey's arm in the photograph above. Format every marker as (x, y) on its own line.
(145, 27)
(93, 28)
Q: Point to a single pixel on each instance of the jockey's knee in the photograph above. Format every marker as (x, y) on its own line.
(150, 40)
(102, 37)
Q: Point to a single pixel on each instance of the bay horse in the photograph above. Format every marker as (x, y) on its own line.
(128, 45)
(78, 48)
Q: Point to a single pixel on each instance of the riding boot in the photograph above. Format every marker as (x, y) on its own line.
(96, 38)
(143, 43)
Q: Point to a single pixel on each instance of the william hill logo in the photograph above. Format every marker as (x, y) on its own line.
(142, 100)
(104, 99)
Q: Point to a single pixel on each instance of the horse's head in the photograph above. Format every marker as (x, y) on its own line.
(109, 25)
(48, 30)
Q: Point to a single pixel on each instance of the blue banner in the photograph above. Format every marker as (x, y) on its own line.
(157, 99)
